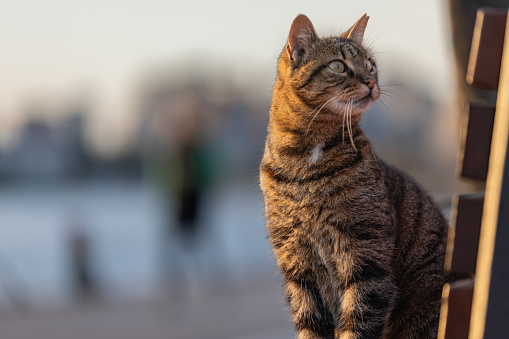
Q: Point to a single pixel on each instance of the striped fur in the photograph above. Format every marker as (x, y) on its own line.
(361, 246)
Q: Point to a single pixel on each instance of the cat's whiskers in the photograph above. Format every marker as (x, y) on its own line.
(316, 114)
(390, 113)
(397, 84)
(350, 129)
(319, 107)
(344, 105)
(312, 112)
(388, 91)
(347, 115)
(343, 130)
(370, 44)
(392, 97)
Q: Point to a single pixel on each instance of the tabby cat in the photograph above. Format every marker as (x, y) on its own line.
(361, 246)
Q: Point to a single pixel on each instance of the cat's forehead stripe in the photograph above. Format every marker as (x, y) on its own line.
(344, 48)
(341, 51)
(348, 61)
(352, 50)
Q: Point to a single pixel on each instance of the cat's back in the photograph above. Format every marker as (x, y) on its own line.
(421, 226)
(418, 261)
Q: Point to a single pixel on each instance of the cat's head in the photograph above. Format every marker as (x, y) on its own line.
(336, 72)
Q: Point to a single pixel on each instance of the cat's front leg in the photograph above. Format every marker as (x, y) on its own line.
(366, 306)
(312, 319)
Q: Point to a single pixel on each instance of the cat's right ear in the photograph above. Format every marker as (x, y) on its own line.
(356, 32)
(302, 34)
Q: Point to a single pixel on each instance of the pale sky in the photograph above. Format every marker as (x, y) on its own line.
(55, 49)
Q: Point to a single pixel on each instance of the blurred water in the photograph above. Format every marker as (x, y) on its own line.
(124, 221)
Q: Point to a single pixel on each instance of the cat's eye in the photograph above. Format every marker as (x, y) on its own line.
(337, 66)
(369, 65)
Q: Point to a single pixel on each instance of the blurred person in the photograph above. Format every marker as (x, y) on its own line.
(184, 164)
(191, 160)
(82, 274)
(189, 192)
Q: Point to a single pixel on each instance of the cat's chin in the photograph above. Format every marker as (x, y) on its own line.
(363, 104)
(354, 109)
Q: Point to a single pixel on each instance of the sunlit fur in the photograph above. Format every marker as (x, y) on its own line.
(360, 245)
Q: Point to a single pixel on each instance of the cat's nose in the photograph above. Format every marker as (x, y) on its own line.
(370, 82)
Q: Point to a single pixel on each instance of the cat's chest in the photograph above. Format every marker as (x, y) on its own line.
(315, 154)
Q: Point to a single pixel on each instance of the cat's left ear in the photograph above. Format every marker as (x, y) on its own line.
(302, 34)
(356, 32)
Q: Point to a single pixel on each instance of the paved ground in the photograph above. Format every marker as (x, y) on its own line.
(257, 313)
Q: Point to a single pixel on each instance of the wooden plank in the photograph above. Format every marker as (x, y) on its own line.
(455, 312)
(475, 140)
(486, 51)
(463, 237)
(489, 319)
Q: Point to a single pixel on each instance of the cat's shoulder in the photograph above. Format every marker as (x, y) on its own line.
(397, 177)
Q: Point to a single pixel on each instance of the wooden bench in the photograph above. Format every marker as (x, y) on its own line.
(478, 242)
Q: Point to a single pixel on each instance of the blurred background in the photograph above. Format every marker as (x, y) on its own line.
(130, 138)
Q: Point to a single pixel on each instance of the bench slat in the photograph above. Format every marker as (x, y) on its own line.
(463, 238)
(487, 45)
(475, 141)
(455, 312)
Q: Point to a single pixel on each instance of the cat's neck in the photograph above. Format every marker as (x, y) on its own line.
(300, 125)
(299, 149)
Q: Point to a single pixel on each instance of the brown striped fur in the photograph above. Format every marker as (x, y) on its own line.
(360, 245)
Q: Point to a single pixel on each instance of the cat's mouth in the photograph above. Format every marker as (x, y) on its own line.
(354, 106)
(362, 104)
(364, 100)
(367, 100)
